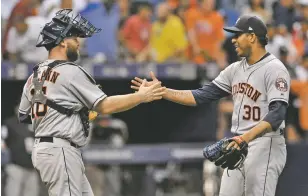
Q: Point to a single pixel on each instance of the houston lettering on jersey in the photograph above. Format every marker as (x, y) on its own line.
(51, 76)
(247, 90)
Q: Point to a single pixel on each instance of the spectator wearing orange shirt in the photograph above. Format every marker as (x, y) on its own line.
(191, 11)
(205, 32)
(135, 33)
(192, 6)
(300, 37)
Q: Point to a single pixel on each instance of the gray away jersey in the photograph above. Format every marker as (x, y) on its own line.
(253, 87)
(69, 86)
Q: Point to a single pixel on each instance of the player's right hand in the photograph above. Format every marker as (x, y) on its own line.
(151, 93)
(138, 81)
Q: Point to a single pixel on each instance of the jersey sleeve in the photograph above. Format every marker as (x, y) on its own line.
(209, 92)
(25, 102)
(224, 79)
(88, 93)
(277, 83)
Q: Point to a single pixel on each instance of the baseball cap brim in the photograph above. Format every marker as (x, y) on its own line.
(233, 29)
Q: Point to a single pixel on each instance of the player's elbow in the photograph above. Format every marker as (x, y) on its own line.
(192, 103)
(105, 107)
(276, 114)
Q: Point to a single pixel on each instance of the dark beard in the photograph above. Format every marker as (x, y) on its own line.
(72, 55)
(246, 53)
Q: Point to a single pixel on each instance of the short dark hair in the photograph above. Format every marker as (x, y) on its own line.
(263, 41)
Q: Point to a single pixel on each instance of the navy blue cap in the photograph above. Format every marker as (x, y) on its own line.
(248, 24)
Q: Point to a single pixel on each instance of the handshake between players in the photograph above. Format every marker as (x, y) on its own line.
(227, 153)
(150, 91)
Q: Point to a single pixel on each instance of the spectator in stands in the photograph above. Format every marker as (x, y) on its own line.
(6, 8)
(284, 13)
(105, 15)
(22, 178)
(280, 37)
(299, 87)
(192, 7)
(173, 4)
(168, 41)
(271, 32)
(124, 6)
(205, 32)
(23, 8)
(257, 8)
(180, 12)
(283, 57)
(22, 39)
(284, 38)
(240, 4)
(49, 8)
(126, 10)
(303, 9)
(292, 114)
(300, 37)
(135, 34)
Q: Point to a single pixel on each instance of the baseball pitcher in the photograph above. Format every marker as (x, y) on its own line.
(259, 84)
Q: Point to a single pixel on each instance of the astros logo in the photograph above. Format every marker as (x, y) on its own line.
(281, 84)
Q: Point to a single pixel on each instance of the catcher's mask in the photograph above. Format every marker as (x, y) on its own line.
(65, 24)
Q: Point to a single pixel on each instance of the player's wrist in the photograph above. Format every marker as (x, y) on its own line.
(167, 91)
(245, 137)
(141, 98)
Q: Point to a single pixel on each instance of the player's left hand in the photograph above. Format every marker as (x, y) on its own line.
(238, 140)
(231, 158)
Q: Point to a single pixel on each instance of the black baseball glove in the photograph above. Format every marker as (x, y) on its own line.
(231, 158)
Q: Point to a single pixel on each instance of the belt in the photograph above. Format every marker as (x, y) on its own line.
(50, 140)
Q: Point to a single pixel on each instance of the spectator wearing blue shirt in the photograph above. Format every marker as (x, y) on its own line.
(284, 13)
(105, 15)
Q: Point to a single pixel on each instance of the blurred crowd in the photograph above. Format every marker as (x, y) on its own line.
(161, 31)
(156, 30)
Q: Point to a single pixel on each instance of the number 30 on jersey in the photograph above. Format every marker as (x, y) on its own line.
(252, 113)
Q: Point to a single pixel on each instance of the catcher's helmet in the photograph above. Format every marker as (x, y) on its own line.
(64, 25)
